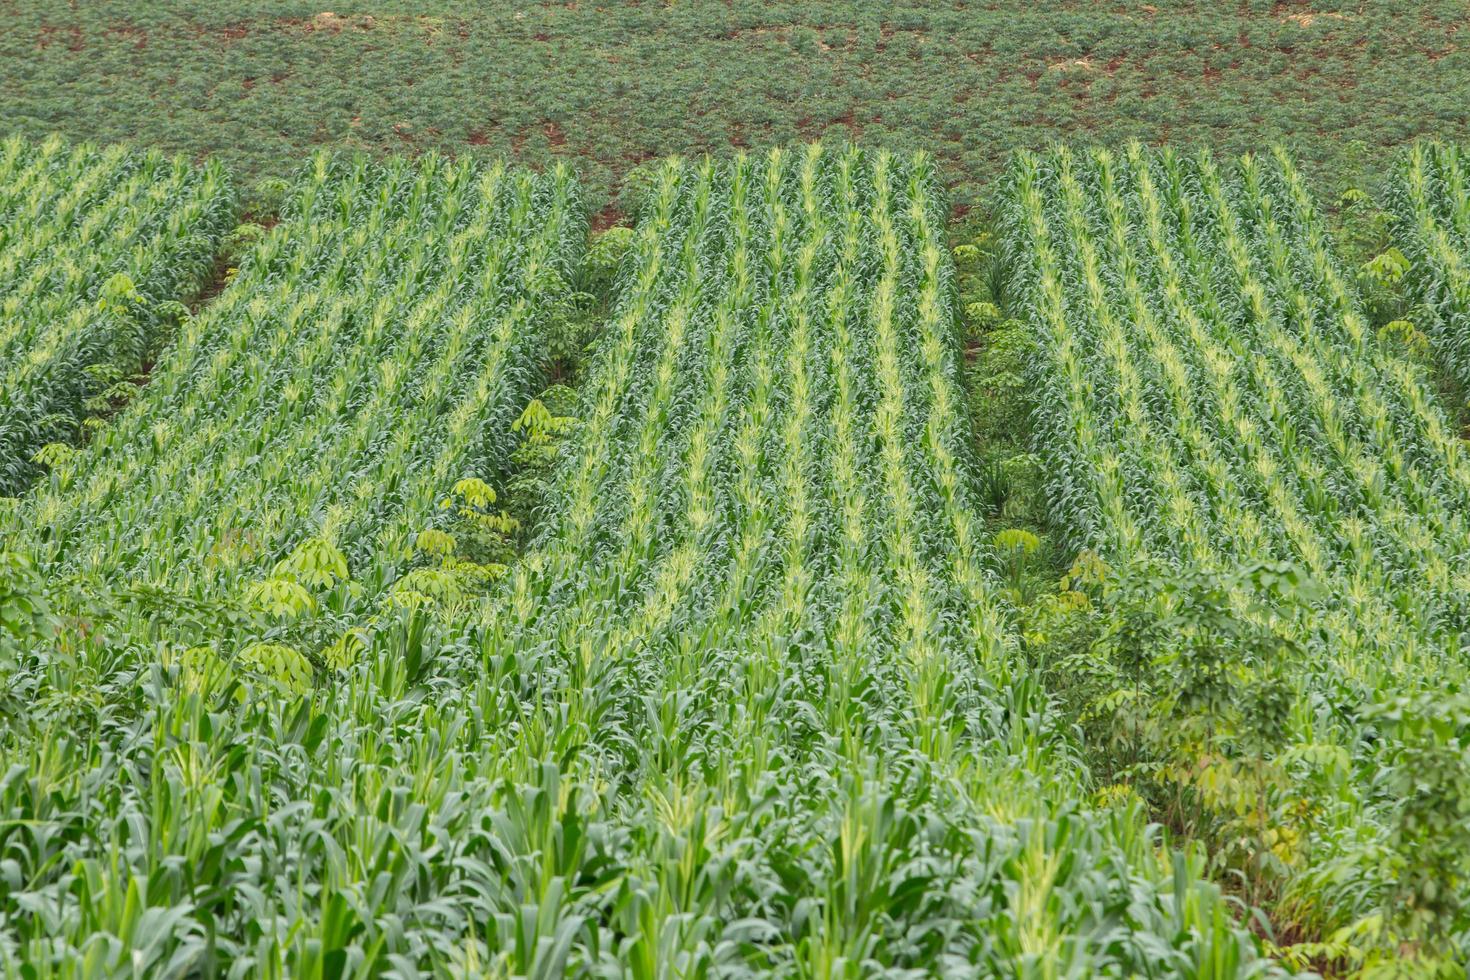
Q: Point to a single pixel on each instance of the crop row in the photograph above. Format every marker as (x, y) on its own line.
(372, 350)
(1210, 397)
(96, 248)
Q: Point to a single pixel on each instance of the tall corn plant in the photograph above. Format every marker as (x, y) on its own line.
(97, 249)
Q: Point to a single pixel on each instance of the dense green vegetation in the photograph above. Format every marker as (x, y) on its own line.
(1429, 207)
(1211, 403)
(614, 84)
(366, 361)
(752, 704)
(97, 248)
(416, 579)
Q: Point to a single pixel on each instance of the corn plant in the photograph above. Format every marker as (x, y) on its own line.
(97, 249)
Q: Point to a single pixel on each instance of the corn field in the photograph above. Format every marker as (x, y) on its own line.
(371, 350)
(345, 643)
(1209, 393)
(97, 249)
(751, 704)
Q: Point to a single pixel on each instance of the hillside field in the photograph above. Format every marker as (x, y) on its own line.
(679, 489)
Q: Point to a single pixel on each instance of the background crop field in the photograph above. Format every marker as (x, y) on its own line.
(613, 84)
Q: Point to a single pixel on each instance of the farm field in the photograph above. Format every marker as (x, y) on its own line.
(99, 248)
(1211, 398)
(709, 723)
(616, 84)
(992, 503)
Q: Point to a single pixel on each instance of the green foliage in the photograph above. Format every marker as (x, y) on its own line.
(570, 325)
(279, 664)
(347, 649)
(55, 455)
(1008, 478)
(280, 597)
(1181, 678)
(754, 701)
(243, 238)
(768, 482)
(1278, 490)
(474, 492)
(315, 563)
(999, 383)
(463, 561)
(432, 541)
(1429, 775)
(98, 246)
(543, 427)
(1014, 546)
(617, 86)
(1387, 268)
(479, 530)
(1382, 284)
(604, 259)
(1404, 336)
(25, 616)
(539, 431)
(1206, 643)
(118, 295)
